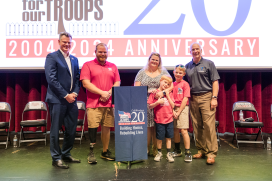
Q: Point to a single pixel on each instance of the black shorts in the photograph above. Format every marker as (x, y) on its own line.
(164, 130)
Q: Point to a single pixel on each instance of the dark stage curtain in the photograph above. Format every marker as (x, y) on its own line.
(256, 87)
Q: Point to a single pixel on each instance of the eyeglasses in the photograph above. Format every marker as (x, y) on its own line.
(180, 65)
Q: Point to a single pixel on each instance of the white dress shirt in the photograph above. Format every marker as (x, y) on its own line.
(68, 61)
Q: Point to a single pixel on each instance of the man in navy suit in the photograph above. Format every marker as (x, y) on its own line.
(62, 74)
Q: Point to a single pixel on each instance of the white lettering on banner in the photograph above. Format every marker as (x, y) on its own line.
(251, 46)
(50, 47)
(110, 49)
(154, 47)
(129, 48)
(238, 46)
(127, 132)
(14, 47)
(176, 48)
(142, 22)
(137, 127)
(84, 43)
(35, 105)
(2, 105)
(225, 47)
(165, 47)
(38, 52)
(213, 47)
(125, 128)
(141, 47)
(179, 47)
(131, 130)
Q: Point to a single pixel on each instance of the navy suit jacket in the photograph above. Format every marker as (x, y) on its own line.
(59, 78)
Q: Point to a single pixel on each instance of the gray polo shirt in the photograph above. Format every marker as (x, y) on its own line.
(201, 75)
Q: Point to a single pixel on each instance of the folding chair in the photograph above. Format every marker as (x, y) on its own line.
(271, 111)
(80, 122)
(33, 106)
(5, 107)
(246, 106)
(217, 134)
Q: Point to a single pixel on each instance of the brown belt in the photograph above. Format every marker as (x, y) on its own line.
(200, 94)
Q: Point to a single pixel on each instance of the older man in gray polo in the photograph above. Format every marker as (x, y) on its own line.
(203, 79)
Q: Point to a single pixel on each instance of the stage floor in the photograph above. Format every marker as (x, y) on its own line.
(32, 161)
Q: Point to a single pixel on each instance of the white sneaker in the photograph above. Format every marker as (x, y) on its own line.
(169, 157)
(158, 157)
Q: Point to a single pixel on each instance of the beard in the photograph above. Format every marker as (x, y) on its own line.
(101, 60)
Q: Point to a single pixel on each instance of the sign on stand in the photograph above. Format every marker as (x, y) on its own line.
(130, 123)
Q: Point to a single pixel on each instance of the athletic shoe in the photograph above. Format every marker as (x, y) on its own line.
(91, 158)
(107, 155)
(169, 157)
(188, 156)
(176, 153)
(158, 157)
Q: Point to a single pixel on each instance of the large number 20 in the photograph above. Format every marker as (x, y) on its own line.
(137, 116)
(198, 7)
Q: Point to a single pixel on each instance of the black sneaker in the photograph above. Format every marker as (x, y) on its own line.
(176, 153)
(107, 155)
(188, 156)
(91, 158)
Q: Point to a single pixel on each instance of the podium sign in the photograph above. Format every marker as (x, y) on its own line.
(130, 123)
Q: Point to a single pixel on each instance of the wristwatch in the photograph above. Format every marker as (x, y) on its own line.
(164, 93)
(214, 97)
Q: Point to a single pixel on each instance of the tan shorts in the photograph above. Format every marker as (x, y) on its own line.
(183, 120)
(100, 115)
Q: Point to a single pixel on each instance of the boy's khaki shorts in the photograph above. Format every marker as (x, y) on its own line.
(183, 120)
(100, 115)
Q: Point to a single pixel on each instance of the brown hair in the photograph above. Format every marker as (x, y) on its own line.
(101, 44)
(65, 34)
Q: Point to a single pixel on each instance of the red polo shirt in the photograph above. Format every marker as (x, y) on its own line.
(103, 77)
(163, 113)
(181, 90)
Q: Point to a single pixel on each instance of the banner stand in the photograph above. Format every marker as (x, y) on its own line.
(130, 116)
(129, 163)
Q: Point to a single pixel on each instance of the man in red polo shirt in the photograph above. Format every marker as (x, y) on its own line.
(98, 77)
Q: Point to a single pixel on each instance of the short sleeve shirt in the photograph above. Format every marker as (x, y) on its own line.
(201, 75)
(151, 83)
(163, 113)
(103, 77)
(181, 90)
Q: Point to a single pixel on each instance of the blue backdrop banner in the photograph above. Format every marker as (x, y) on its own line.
(130, 123)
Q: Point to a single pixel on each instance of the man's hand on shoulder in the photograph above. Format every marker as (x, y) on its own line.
(70, 98)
